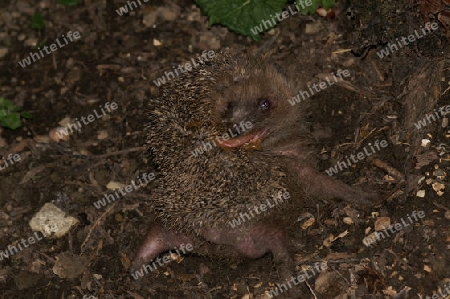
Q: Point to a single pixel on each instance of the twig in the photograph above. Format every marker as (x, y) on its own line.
(342, 51)
(96, 224)
(380, 75)
(389, 169)
(311, 290)
(367, 136)
(440, 206)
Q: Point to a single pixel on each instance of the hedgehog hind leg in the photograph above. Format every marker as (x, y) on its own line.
(157, 241)
(254, 241)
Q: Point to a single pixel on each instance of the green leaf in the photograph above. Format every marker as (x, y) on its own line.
(26, 115)
(306, 7)
(309, 6)
(37, 21)
(243, 16)
(11, 121)
(327, 4)
(13, 109)
(68, 2)
(10, 115)
(6, 104)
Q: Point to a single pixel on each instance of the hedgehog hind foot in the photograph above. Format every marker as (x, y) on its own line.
(157, 241)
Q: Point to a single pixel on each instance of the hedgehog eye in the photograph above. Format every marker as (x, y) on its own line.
(264, 104)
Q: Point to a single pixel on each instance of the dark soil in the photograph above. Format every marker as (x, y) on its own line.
(117, 60)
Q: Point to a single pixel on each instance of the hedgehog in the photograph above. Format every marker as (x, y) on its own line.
(226, 142)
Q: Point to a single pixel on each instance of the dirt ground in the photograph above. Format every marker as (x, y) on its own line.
(116, 60)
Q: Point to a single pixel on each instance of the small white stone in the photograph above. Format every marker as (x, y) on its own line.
(425, 142)
(52, 222)
(420, 193)
(103, 134)
(156, 42)
(113, 185)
